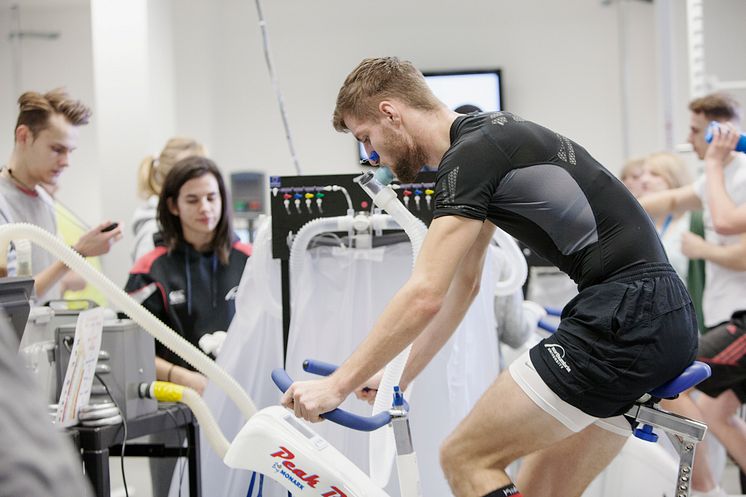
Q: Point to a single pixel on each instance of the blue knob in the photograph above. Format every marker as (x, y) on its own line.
(646, 433)
(398, 397)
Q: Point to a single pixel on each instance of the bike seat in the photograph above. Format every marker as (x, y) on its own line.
(694, 374)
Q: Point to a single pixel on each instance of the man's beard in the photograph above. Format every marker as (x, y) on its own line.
(409, 162)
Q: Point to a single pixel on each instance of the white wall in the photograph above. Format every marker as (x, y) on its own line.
(560, 68)
(134, 97)
(45, 64)
(201, 73)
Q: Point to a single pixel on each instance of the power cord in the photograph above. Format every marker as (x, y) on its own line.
(181, 462)
(276, 85)
(68, 345)
(124, 425)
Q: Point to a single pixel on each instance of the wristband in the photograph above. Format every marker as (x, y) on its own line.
(168, 375)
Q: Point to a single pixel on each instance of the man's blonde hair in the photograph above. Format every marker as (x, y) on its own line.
(36, 109)
(377, 79)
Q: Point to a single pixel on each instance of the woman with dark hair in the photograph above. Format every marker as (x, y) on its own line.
(190, 280)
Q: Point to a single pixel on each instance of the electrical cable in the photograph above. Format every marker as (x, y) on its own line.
(68, 346)
(317, 240)
(276, 86)
(124, 440)
(182, 463)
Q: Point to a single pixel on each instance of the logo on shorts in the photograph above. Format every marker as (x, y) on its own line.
(558, 354)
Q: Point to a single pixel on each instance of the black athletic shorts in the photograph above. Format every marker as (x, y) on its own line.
(723, 347)
(619, 339)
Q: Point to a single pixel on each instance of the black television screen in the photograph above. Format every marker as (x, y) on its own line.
(480, 88)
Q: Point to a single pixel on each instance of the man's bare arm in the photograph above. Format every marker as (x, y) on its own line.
(45, 279)
(447, 243)
(727, 217)
(94, 242)
(461, 294)
(729, 256)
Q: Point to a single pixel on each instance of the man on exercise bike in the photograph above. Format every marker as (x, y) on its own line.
(630, 329)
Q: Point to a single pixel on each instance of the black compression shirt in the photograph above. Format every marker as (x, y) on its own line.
(547, 192)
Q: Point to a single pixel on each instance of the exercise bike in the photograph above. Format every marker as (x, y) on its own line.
(275, 443)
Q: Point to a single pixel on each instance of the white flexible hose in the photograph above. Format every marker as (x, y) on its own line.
(308, 232)
(207, 422)
(381, 449)
(319, 226)
(136, 312)
(518, 269)
(387, 200)
(399, 217)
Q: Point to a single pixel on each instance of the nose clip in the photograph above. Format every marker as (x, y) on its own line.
(372, 160)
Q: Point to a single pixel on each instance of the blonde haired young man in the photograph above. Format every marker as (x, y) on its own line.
(46, 133)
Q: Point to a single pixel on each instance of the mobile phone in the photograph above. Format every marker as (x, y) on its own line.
(109, 228)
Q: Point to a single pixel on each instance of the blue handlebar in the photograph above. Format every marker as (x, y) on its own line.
(339, 416)
(553, 311)
(320, 368)
(547, 326)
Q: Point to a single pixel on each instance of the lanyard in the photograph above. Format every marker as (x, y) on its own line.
(666, 224)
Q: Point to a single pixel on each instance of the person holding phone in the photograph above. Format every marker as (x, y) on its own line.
(46, 134)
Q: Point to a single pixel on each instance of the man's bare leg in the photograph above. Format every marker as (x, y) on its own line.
(504, 425)
(569, 466)
(720, 415)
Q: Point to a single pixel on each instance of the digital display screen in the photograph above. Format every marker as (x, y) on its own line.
(299, 426)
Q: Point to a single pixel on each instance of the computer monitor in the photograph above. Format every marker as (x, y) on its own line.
(247, 193)
(476, 88)
(15, 293)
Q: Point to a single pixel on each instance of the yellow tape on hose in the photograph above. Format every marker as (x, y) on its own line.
(167, 392)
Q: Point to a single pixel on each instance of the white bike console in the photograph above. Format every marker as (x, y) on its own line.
(278, 445)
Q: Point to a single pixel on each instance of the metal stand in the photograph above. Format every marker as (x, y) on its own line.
(285, 282)
(406, 459)
(97, 444)
(683, 432)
